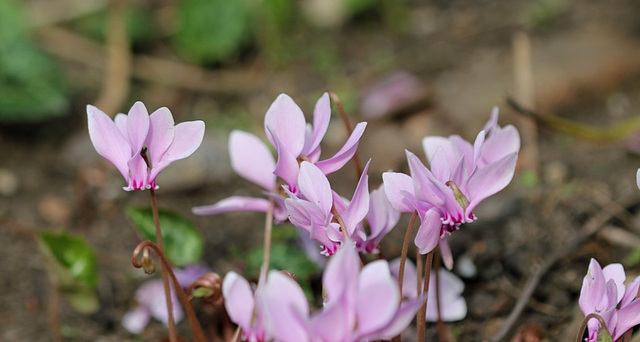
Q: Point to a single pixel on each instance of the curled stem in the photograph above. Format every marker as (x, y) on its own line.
(196, 329)
(403, 258)
(585, 321)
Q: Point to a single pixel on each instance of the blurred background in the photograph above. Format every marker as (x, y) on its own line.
(410, 68)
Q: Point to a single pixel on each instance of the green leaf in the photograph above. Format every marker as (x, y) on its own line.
(211, 31)
(73, 266)
(30, 83)
(603, 336)
(183, 244)
(202, 292)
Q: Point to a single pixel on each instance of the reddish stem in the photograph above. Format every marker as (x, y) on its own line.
(585, 321)
(422, 314)
(403, 259)
(347, 126)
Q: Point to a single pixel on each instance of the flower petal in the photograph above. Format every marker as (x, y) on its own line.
(251, 159)
(161, 134)
(239, 300)
(233, 204)
(378, 298)
(137, 126)
(108, 141)
(136, 320)
(187, 138)
(346, 152)
(490, 179)
(616, 272)
(321, 117)
(593, 287)
(498, 145)
(401, 320)
(315, 187)
(428, 234)
(359, 205)
(285, 308)
(409, 283)
(398, 188)
(285, 121)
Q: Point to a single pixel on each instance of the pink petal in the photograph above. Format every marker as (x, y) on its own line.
(431, 144)
(321, 117)
(107, 140)
(409, 283)
(330, 324)
(136, 320)
(238, 300)
(492, 124)
(161, 133)
(630, 292)
(347, 151)
(341, 274)
(285, 121)
(498, 145)
(453, 307)
(315, 187)
(428, 234)
(121, 122)
(398, 188)
(233, 204)
(378, 298)
(440, 167)
(381, 216)
(616, 272)
(287, 166)
(138, 172)
(490, 179)
(477, 147)
(426, 187)
(593, 287)
(359, 205)
(285, 308)
(251, 159)
(401, 320)
(628, 317)
(188, 137)
(637, 177)
(445, 252)
(137, 126)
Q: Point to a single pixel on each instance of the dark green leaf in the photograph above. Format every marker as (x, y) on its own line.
(73, 266)
(183, 244)
(212, 30)
(603, 336)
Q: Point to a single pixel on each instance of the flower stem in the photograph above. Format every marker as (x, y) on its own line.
(403, 259)
(54, 302)
(268, 227)
(422, 314)
(347, 126)
(196, 329)
(442, 333)
(585, 321)
(173, 337)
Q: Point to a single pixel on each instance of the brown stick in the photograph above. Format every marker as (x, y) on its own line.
(348, 128)
(422, 314)
(403, 259)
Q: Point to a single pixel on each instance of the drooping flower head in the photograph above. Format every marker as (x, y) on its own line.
(461, 176)
(123, 140)
(604, 293)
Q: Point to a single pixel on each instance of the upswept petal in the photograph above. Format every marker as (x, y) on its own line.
(453, 307)
(492, 124)
(381, 216)
(593, 286)
(187, 138)
(638, 178)
(161, 133)
(426, 187)
(251, 159)
(440, 167)
(136, 320)
(490, 179)
(321, 118)
(285, 308)
(346, 152)
(284, 121)
(314, 186)
(121, 122)
(239, 300)
(287, 166)
(341, 274)
(137, 126)
(429, 232)
(138, 173)
(445, 252)
(616, 272)
(233, 204)
(378, 298)
(398, 188)
(108, 140)
(330, 324)
(477, 147)
(305, 215)
(630, 292)
(500, 144)
(359, 205)
(431, 144)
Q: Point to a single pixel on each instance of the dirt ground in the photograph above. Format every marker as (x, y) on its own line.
(468, 58)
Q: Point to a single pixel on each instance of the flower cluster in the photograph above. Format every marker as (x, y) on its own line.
(604, 293)
(461, 176)
(128, 139)
(360, 304)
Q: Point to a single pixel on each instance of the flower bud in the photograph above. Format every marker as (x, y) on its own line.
(147, 263)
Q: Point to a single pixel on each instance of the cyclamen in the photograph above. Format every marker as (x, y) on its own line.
(123, 140)
(461, 176)
(360, 304)
(604, 293)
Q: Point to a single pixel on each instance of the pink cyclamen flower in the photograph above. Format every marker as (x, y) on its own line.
(604, 293)
(461, 176)
(295, 140)
(360, 304)
(152, 303)
(122, 141)
(313, 208)
(239, 300)
(382, 218)
(453, 307)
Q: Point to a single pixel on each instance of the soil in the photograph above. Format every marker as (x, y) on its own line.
(586, 69)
